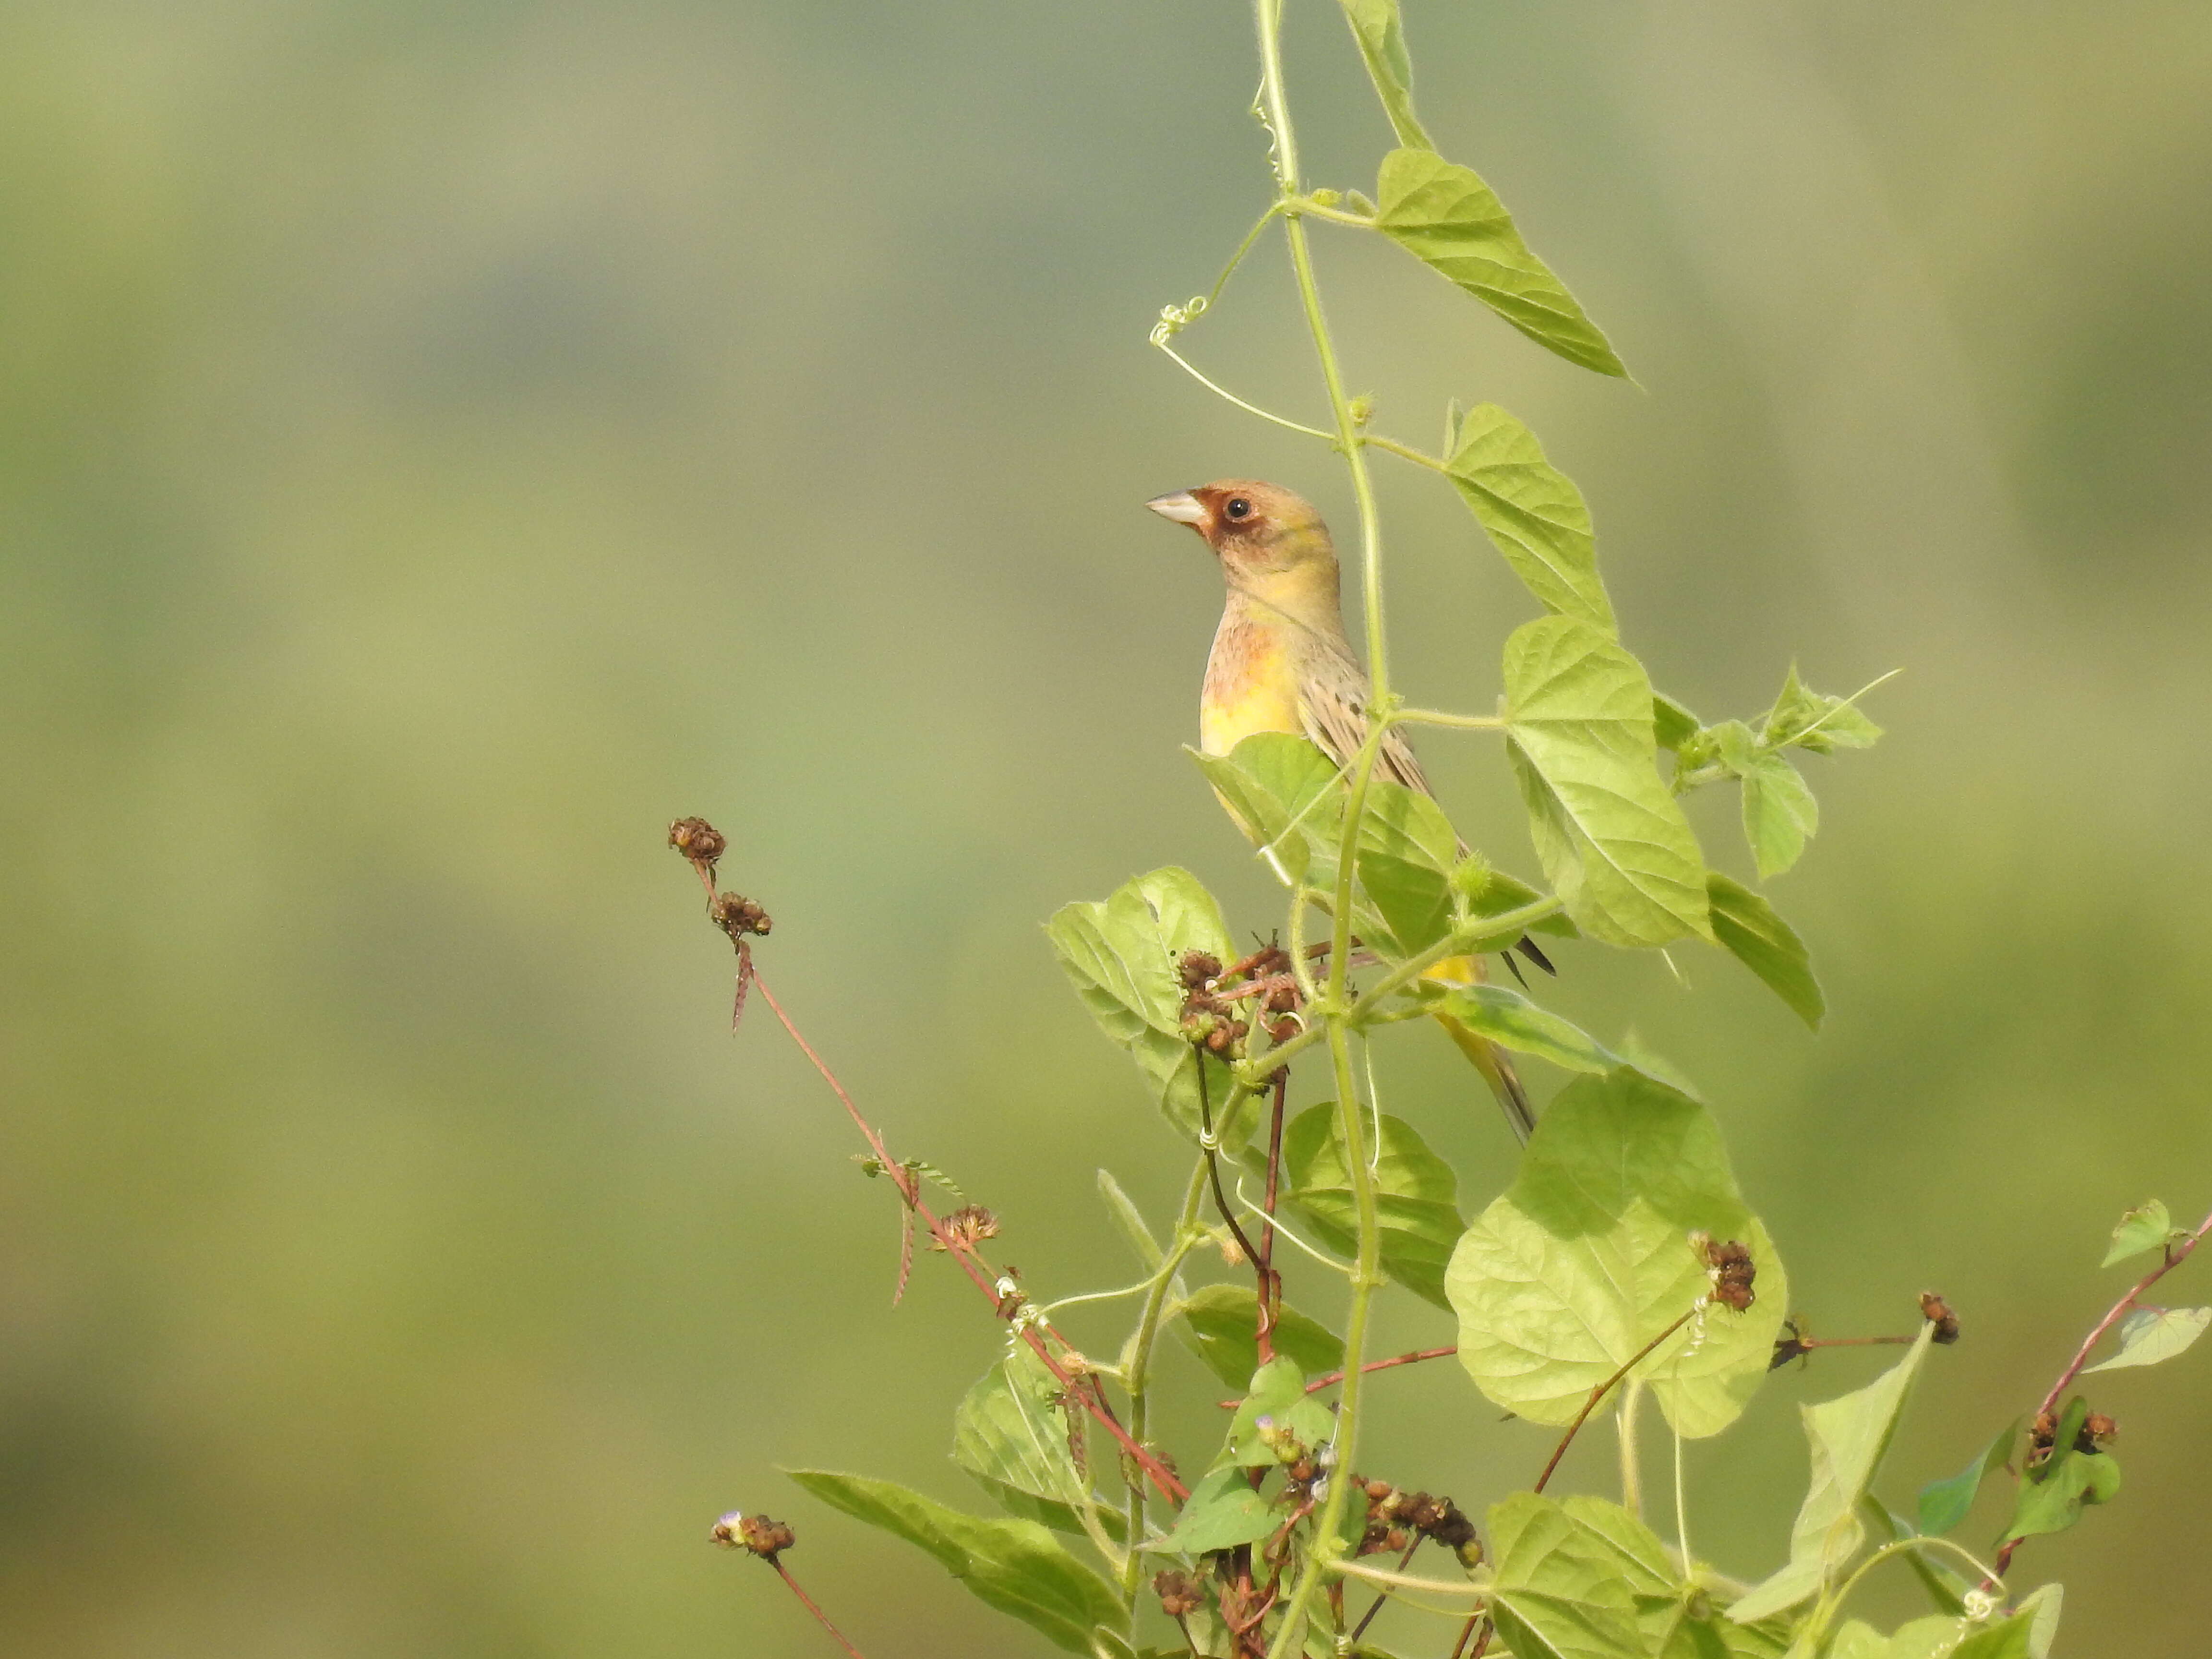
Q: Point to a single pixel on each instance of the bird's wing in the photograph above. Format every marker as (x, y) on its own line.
(1333, 708)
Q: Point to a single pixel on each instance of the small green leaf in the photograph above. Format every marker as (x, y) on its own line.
(1121, 956)
(1278, 1398)
(1587, 1259)
(1556, 1591)
(1381, 38)
(1754, 933)
(2148, 1335)
(1612, 837)
(1813, 722)
(1849, 1437)
(1944, 1504)
(1416, 1197)
(1222, 1512)
(1016, 1566)
(1445, 216)
(2145, 1228)
(1503, 894)
(1220, 1320)
(1009, 1433)
(1510, 1019)
(1534, 514)
(1673, 724)
(1780, 813)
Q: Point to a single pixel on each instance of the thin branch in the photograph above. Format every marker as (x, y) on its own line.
(2176, 1254)
(971, 1262)
(1606, 1387)
(1413, 1357)
(807, 1601)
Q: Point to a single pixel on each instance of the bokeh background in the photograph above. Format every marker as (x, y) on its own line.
(439, 444)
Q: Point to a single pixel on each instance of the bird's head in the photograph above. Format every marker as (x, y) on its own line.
(1270, 541)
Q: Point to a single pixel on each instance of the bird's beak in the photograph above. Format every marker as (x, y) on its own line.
(1182, 507)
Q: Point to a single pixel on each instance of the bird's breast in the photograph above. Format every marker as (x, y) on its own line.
(1251, 686)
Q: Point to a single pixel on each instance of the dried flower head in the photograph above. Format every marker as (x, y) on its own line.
(757, 1534)
(1180, 1595)
(1198, 971)
(1729, 1267)
(737, 915)
(965, 1228)
(2097, 1431)
(1937, 1312)
(697, 839)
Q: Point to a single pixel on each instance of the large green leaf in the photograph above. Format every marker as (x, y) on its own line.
(1612, 837)
(1011, 1436)
(1754, 933)
(2142, 1229)
(1512, 1021)
(1847, 1437)
(1416, 1197)
(2148, 1335)
(1557, 1588)
(1016, 1566)
(1445, 216)
(1382, 36)
(1534, 514)
(1587, 1259)
(1220, 1322)
(1121, 956)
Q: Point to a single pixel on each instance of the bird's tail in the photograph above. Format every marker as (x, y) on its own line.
(1489, 1060)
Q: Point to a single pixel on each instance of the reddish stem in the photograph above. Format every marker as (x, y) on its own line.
(1853, 1341)
(1271, 1285)
(807, 1601)
(970, 1261)
(2175, 1255)
(1599, 1393)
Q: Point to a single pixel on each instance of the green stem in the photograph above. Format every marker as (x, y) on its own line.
(1306, 204)
(1139, 1380)
(1407, 451)
(1460, 722)
(1349, 436)
(1324, 1544)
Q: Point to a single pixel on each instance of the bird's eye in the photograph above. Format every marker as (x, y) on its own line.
(1238, 507)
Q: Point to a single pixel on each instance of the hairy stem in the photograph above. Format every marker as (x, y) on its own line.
(972, 1263)
(807, 1601)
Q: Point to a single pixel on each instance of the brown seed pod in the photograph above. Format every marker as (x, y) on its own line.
(1937, 1312)
(757, 1534)
(697, 839)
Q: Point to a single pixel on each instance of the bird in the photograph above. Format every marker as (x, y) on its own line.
(1281, 662)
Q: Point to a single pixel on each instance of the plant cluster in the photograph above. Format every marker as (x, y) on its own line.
(1620, 1268)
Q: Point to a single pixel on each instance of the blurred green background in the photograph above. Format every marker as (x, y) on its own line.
(439, 444)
